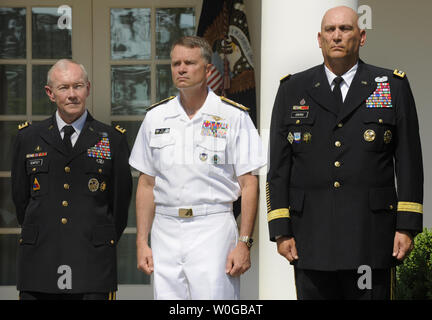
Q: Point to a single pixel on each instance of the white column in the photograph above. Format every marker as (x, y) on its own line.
(288, 45)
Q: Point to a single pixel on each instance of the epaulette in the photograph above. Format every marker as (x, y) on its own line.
(160, 102)
(235, 104)
(120, 129)
(399, 73)
(285, 78)
(23, 125)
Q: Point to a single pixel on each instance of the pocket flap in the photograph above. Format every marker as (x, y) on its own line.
(299, 118)
(104, 235)
(38, 165)
(383, 198)
(379, 116)
(29, 234)
(212, 143)
(161, 140)
(296, 199)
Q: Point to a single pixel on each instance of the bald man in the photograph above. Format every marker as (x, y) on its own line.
(341, 132)
(71, 185)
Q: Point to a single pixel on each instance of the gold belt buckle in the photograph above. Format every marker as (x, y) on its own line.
(185, 213)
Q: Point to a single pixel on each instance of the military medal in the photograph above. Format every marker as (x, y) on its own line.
(36, 155)
(93, 185)
(307, 137)
(290, 138)
(369, 135)
(387, 136)
(214, 129)
(101, 150)
(381, 97)
(36, 185)
(203, 156)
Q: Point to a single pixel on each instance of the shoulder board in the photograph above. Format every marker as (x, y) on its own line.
(235, 104)
(120, 129)
(285, 78)
(23, 125)
(399, 73)
(160, 102)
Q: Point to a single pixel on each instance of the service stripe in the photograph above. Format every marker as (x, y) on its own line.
(277, 214)
(410, 206)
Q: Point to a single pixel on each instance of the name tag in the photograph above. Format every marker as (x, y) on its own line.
(300, 114)
(162, 130)
(35, 163)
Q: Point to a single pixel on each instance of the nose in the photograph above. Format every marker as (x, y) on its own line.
(337, 35)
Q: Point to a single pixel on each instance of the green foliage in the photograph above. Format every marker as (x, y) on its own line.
(414, 276)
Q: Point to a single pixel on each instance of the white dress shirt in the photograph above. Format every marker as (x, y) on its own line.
(77, 125)
(347, 77)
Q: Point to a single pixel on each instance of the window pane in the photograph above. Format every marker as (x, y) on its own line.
(171, 24)
(40, 101)
(127, 262)
(8, 252)
(130, 89)
(8, 132)
(50, 38)
(12, 33)
(13, 89)
(164, 85)
(130, 33)
(7, 208)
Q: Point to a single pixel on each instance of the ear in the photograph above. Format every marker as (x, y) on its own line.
(319, 39)
(88, 88)
(208, 70)
(362, 37)
(50, 93)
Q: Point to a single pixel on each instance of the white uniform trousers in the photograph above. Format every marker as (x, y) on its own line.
(190, 255)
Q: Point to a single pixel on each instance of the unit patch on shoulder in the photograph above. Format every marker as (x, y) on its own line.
(160, 102)
(285, 78)
(399, 73)
(120, 129)
(23, 125)
(235, 104)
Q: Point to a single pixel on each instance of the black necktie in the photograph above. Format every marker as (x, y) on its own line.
(68, 131)
(337, 91)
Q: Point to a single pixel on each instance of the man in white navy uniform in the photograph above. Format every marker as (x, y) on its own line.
(197, 153)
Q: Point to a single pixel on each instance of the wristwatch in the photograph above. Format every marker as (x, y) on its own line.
(246, 239)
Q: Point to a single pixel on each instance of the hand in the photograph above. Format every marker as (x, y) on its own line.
(287, 248)
(403, 244)
(145, 259)
(238, 261)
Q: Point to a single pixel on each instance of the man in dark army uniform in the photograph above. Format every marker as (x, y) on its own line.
(340, 132)
(71, 186)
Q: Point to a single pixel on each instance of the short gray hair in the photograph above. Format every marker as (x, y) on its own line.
(62, 64)
(195, 42)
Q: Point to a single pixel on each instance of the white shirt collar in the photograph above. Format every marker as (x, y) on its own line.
(347, 76)
(78, 124)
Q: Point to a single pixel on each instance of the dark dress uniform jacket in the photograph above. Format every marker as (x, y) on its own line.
(72, 208)
(331, 182)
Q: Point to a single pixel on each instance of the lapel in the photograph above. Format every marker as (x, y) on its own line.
(87, 138)
(360, 89)
(51, 135)
(320, 91)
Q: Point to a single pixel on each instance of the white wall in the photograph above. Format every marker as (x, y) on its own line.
(400, 38)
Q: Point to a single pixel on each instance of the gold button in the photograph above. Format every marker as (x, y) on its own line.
(20, 240)
(337, 164)
(66, 186)
(297, 121)
(338, 144)
(100, 170)
(64, 220)
(337, 184)
(34, 169)
(340, 125)
(65, 203)
(112, 241)
(67, 169)
(391, 207)
(380, 121)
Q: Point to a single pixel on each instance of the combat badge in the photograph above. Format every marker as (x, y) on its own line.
(369, 135)
(297, 137)
(93, 185)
